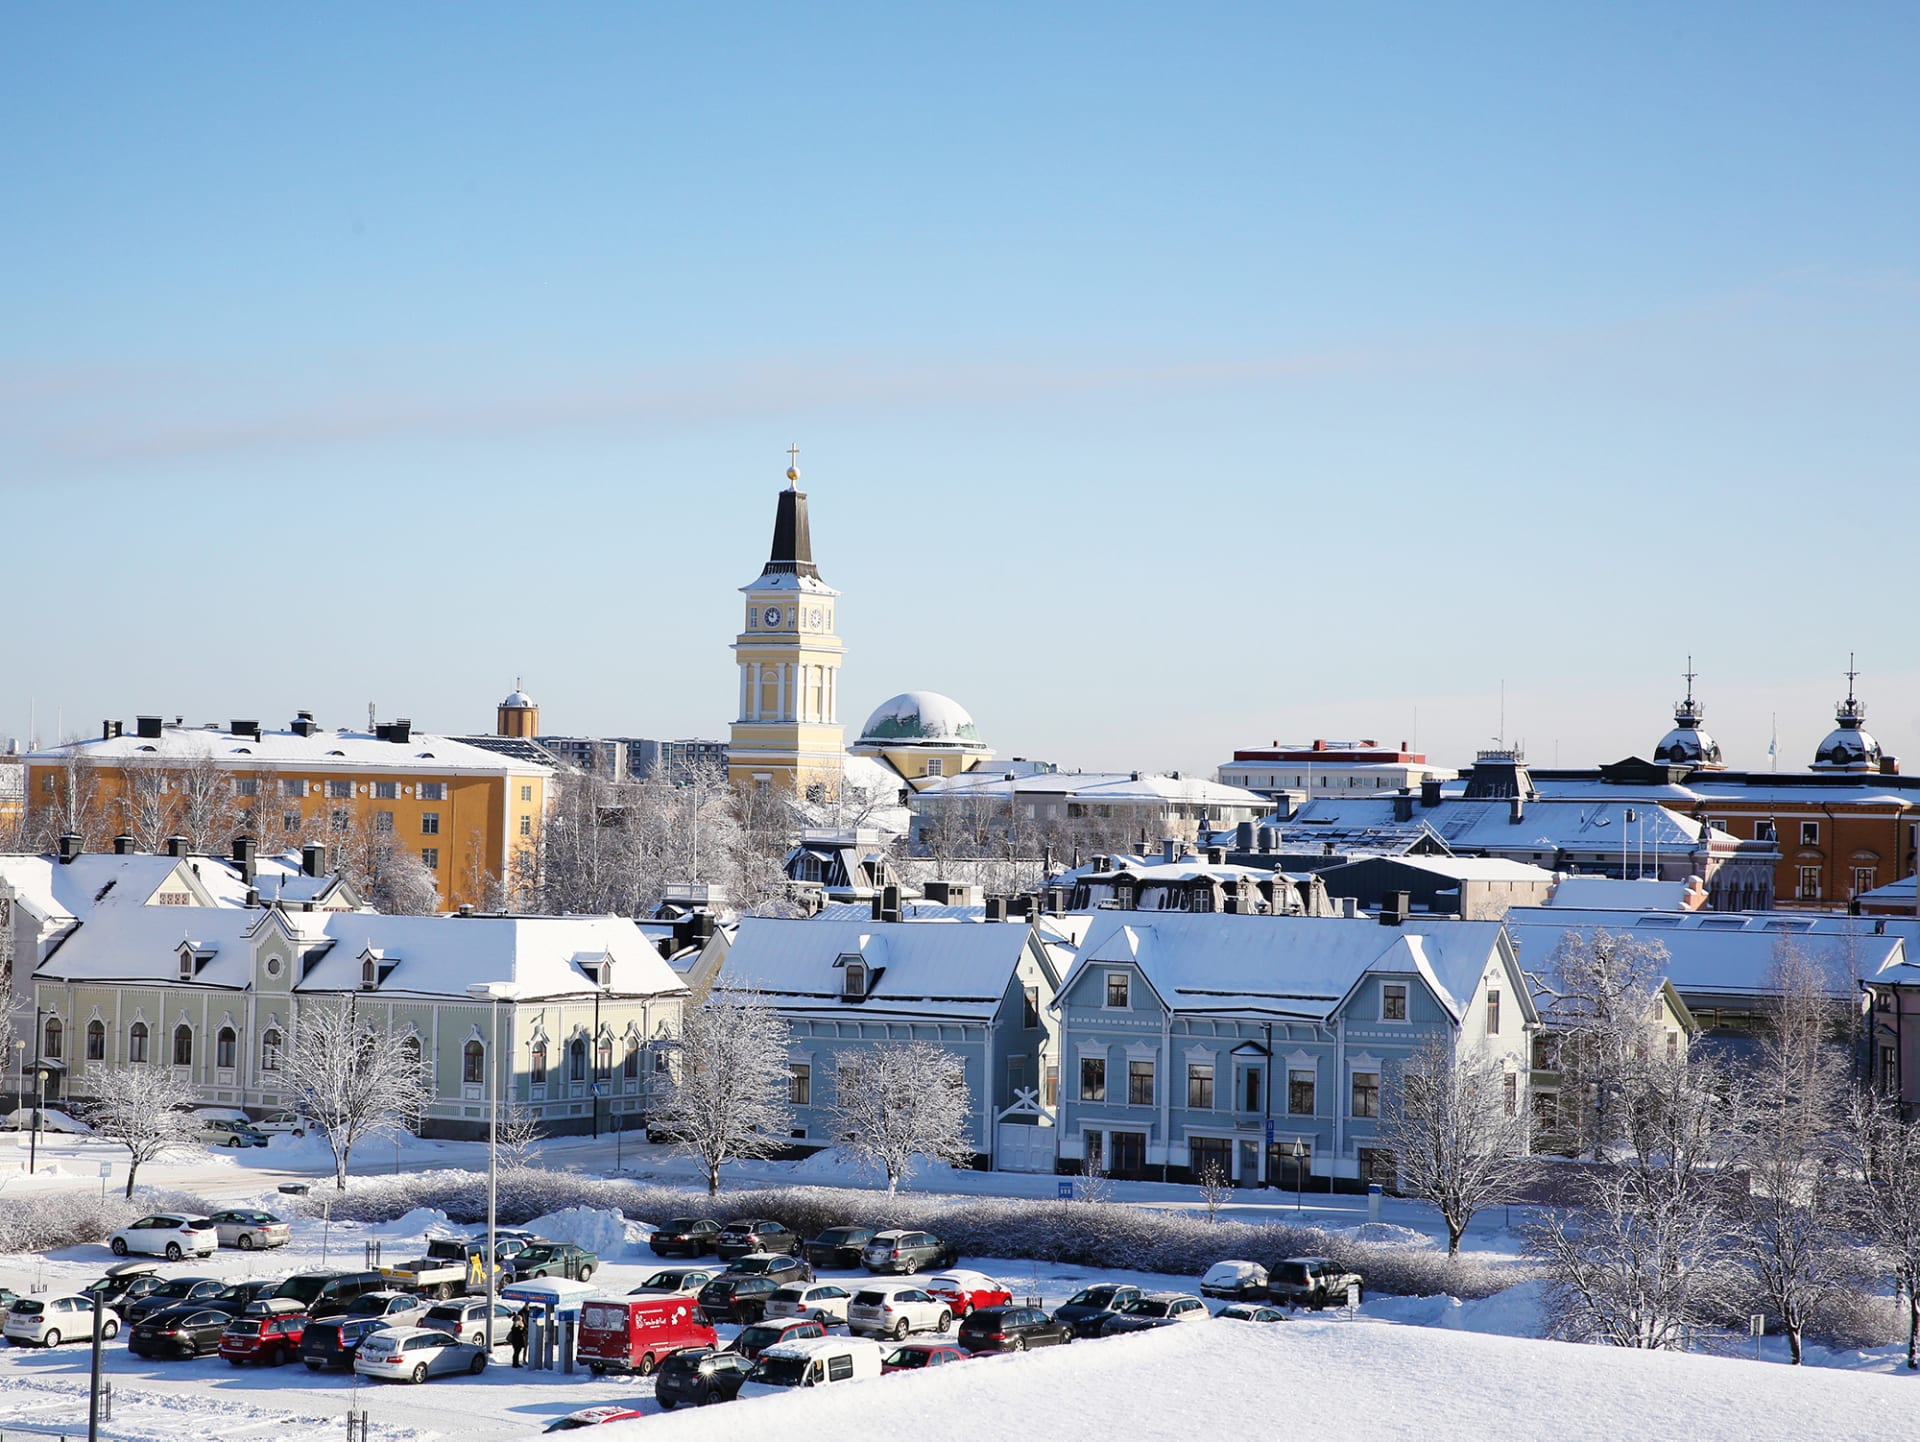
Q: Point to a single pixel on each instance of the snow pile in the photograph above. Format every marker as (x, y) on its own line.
(1383, 1234)
(833, 1165)
(1344, 1382)
(601, 1232)
(427, 1222)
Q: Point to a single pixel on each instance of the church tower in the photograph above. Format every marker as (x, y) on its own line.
(788, 735)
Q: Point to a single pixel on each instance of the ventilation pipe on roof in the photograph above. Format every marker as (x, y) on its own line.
(1169, 851)
(313, 859)
(177, 847)
(879, 906)
(996, 908)
(111, 730)
(243, 857)
(1403, 806)
(890, 902)
(1393, 908)
(147, 727)
(1215, 855)
(1430, 791)
(69, 846)
(937, 893)
(466, 909)
(303, 724)
(1350, 907)
(1516, 810)
(247, 729)
(1266, 839)
(123, 845)
(1243, 836)
(253, 897)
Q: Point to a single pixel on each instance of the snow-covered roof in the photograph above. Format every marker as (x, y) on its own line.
(1545, 824)
(1094, 786)
(915, 967)
(322, 751)
(56, 891)
(1588, 892)
(1477, 868)
(1294, 966)
(921, 718)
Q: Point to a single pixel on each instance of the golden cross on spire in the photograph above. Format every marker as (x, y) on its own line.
(793, 462)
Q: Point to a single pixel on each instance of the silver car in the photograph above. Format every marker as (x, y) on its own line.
(466, 1318)
(250, 1230)
(413, 1354)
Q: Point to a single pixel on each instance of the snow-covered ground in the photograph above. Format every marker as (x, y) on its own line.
(1406, 1366)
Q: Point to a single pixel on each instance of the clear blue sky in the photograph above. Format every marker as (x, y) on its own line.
(1167, 378)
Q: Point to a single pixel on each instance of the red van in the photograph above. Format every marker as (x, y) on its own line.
(635, 1334)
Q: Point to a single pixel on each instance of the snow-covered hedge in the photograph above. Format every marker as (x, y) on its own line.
(69, 1219)
(1109, 1236)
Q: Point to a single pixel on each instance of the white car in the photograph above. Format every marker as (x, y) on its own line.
(250, 1230)
(52, 1119)
(675, 1282)
(168, 1235)
(822, 1301)
(276, 1124)
(893, 1309)
(413, 1354)
(48, 1321)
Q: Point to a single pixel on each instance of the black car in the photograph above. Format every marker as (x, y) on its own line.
(731, 1297)
(738, 1238)
(685, 1237)
(203, 1293)
(1011, 1329)
(699, 1376)
(259, 1289)
(333, 1342)
(781, 1268)
(327, 1294)
(121, 1289)
(188, 1331)
(1089, 1307)
(838, 1247)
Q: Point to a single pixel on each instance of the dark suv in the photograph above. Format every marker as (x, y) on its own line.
(120, 1289)
(770, 1264)
(1012, 1329)
(684, 1237)
(755, 1235)
(839, 1247)
(731, 1297)
(326, 1294)
(333, 1342)
(698, 1376)
(1089, 1307)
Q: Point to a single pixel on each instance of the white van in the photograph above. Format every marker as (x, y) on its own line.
(813, 1362)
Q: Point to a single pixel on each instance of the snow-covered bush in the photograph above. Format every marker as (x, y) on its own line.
(69, 1219)
(1113, 1236)
(1852, 1320)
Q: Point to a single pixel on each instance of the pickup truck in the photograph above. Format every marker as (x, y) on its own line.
(1314, 1282)
(451, 1268)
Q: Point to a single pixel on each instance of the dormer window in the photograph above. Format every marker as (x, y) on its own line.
(369, 973)
(186, 964)
(853, 979)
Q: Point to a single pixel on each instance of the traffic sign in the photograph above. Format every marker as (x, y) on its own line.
(599, 1089)
(615, 1120)
(1269, 1131)
(1066, 1190)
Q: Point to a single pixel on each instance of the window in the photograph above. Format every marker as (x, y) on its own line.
(1200, 1085)
(1546, 1111)
(339, 820)
(800, 1084)
(290, 822)
(183, 1045)
(1809, 883)
(270, 1049)
(50, 1046)
(537, 1070)
(1210, 1155)
(1863, 881)
(1393, 1001)
(293, 788)
(1809, 833)
(1016, 1075)
(433, 791)
(186, 964)
(383, 822)
(937, 766)
(1510, 1093)
(630, 1063)
(369, 974)
(526, 793)
(473, 1063)
(1763, 831)
(430, 857)
(840, 1367)
(1889, 1071)
(1493, 1013)
(1050, 1096)
(96, 1041)
(1253, 1082)
(1118, 988)
(1139, 1083)
(1030, 998)
(603, 1058)
(137, 1042)
(1093, 1079)
(386, 791)
(1300, 1093)
(1366, 1094)
(339, 790)
(1673, 1046)
(853, 980)
(225, 1045)
(246, 786)
(526, 826)
(577, 1060)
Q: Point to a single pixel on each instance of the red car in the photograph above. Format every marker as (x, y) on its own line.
(917, 1356)
(965, 1291)
(271, 1339)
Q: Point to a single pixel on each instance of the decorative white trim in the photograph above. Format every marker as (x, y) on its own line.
(1302, 1061)
(1142, 1051)
(1100, 1049)
(1365, 1061)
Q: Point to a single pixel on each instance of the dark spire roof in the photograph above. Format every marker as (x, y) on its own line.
(792, 545)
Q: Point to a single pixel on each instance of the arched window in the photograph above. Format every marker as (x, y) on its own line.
(270, 1049)
(55, 1031)
(603, 1057)
(630, 1068)
(473, 1064)
(96, 1041)
(225, 1045)
(183, 1045)
(538, 1073)
(137, 1042)
(577, 1060)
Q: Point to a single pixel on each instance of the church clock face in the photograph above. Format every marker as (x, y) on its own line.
(814, 618)
(771, 615)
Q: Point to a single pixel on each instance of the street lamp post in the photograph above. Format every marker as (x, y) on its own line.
(1299, 1174)
(39, 1091)
(20, 1060)
(493, 993)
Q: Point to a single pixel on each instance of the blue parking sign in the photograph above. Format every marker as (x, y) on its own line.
(1066, 1191)
(1269, 1131)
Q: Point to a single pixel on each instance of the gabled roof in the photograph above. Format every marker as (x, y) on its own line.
(1545, 824)
(92, 881)
(934, 969)
(1292, 966)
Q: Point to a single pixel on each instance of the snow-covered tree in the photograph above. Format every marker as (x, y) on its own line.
(727, 1095)
(899, 1101)
(1456, 1137)
(401, 884)
(145, 1109)
(355, 1080)
(1883, 1157)
(1603, 1011)
(514, 1135)
(1216, 1189)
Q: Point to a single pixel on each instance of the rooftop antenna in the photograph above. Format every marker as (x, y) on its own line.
(370, 721)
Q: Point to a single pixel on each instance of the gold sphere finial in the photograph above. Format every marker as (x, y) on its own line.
(793, 462)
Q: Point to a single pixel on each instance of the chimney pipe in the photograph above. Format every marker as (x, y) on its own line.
(890, 902)
(879, 907)
(1430, 791)
(1393, 908)
(243, 852)
(1169, 851)
(69, 846)
(177, 847)
(313, 858)
(123, 845)
(1516, 809)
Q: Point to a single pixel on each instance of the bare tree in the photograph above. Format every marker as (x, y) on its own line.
(73, 807)
(899, 1101)
(1603, 1002)
(1095, 1185)
(1883, 1156)
(727, 1096)
(209, 811)
(1458, 1140)
(354, 1079)
(514, 1135)
(145, 804)
(146, 1109)
(1216, 1190)
(1788, 1118)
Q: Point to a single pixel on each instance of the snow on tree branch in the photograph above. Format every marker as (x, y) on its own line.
(727, 1097)
(900, 1101)
(145, 1109)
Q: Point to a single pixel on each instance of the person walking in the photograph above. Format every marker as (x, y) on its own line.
(517, 1337)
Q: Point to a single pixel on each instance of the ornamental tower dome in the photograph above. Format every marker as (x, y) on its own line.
(518, 715)
(923, 735)
(1849, 746)
(1687, 744)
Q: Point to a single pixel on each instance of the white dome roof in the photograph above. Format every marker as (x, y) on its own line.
(920, 718)
(1688, 746)
(518, 701)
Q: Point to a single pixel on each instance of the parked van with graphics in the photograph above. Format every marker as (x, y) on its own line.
(813, 1362)
(636, 1334)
